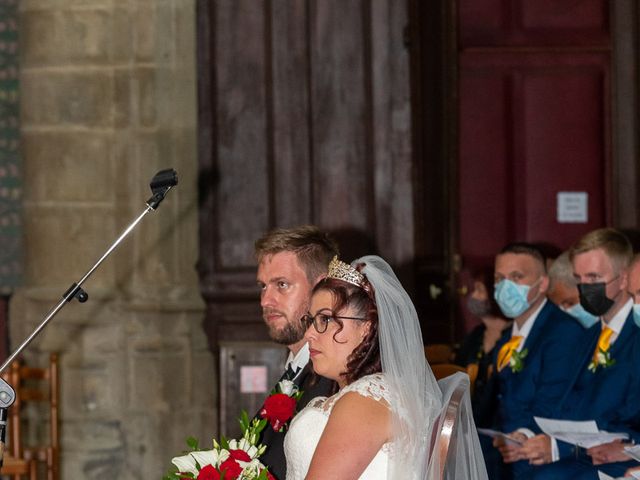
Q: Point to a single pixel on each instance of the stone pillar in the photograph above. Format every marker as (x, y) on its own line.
(108, 92)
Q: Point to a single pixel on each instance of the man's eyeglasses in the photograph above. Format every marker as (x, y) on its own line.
(321, 320)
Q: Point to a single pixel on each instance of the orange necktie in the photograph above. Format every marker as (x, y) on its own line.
(504, 355)
(603, 343)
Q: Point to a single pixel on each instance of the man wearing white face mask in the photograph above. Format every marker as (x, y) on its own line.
(605, 386)
(533, 358)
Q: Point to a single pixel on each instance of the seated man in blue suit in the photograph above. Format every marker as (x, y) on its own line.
(605, 385)
(532, 363)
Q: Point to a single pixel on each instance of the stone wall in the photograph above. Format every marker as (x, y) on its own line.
(108, 92)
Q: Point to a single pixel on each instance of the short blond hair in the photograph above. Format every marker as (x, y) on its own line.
(614, 243)
(313, 247)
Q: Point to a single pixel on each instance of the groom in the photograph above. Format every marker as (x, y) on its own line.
(290, 263)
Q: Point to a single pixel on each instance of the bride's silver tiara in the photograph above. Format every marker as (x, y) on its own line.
(345, 272)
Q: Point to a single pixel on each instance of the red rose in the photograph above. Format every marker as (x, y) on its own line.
(278, 410)
(231, 469)
(208, 472)
(269, 476)
(240, 455)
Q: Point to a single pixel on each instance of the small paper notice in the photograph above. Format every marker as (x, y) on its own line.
(573, 207)
(253, 379)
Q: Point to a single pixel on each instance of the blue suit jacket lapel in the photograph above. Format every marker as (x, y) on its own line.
(538, 327)
(624, 337)
(590, 342)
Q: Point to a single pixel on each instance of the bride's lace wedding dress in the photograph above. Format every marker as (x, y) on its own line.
(307, 426)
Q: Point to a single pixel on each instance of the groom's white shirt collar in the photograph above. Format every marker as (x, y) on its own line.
(299, 360)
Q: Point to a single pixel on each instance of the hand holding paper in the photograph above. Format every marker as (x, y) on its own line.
(584, 434)
(496, 434)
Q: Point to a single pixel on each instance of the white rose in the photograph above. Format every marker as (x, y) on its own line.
(185, 464)
(287, 387)
(206, 457)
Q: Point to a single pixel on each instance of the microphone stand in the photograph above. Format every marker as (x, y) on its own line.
(160, 184)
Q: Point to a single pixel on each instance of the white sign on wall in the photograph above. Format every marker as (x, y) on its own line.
(573, 207)
(253, 379)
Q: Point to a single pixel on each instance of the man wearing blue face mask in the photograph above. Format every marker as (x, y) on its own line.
(563, 291)
(634, 288)
(533, 357)
(605, 385)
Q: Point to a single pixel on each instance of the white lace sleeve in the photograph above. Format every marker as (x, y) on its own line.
(370, 386)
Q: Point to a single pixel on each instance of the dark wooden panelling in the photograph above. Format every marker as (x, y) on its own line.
(243, 154)
(533, 125)
(340, 116)
(626, 168)
(291, 69)
(304, 118)
(540, 23)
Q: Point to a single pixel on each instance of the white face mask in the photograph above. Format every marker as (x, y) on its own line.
(636, 314)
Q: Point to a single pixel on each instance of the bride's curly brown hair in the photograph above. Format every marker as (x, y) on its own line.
(365, 358)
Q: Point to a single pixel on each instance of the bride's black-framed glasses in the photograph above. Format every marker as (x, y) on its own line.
(320, 321)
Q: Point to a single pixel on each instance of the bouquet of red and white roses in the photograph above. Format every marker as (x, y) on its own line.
(228, 460)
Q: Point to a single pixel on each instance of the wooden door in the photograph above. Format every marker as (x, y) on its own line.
(534, 118)
(304, 118)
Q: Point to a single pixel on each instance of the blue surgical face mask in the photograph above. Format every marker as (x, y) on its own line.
(512, 297)
(585, 318)
(636, 313)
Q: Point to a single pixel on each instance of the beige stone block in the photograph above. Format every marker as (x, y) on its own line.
(67, 37)
(143, 32)
(158, 382)
(122, 33)
(71, 98)
(29, 5)
(68, 167)
(146, 95)
(122, 98)
(104, 339)
(63, 242)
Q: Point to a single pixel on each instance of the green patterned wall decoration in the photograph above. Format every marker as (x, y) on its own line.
(10, 163)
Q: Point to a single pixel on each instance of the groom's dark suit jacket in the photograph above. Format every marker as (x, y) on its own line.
(274, 457)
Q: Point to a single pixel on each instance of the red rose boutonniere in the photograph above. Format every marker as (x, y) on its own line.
(280, 405)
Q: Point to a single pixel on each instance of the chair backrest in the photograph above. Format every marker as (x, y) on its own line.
(439, 353)
(472, 371)
(442, 370)
(36, 385)
(448, 424)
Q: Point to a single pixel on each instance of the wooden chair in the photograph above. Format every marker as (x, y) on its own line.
(33, 385)
(439, 353)
(441, 370)
(472, 371)
(448, 423)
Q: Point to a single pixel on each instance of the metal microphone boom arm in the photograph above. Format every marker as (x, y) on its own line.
(161, 183)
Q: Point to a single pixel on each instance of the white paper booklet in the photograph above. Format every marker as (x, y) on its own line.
(633, 451)
(584, 434)
(495, 433)
(604, 476)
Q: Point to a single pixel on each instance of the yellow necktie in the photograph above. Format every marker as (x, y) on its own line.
(504, 355)
(603, 342)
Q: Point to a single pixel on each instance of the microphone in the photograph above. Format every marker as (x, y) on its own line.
(160, 184)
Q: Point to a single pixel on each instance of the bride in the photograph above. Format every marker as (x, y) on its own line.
(363, 332)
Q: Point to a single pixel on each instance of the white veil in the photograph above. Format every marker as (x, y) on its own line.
(417, 399)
